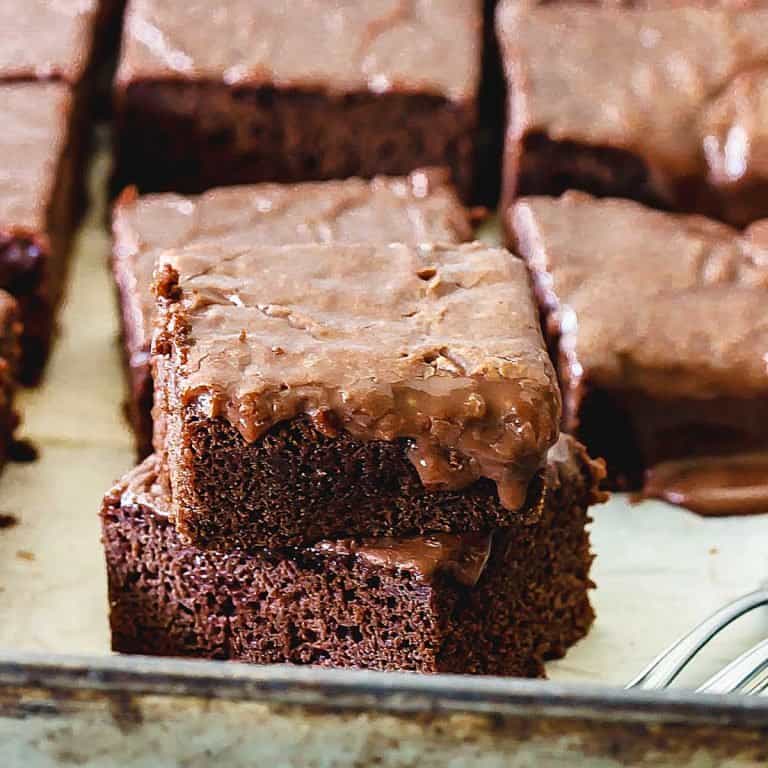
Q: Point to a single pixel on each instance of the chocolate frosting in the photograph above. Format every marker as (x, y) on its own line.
(35, 119)
(718, 485)
(682, 87)
(264, 334)
(377, 45)
(422, 207)
(144, 486)
(463, 556)
(42, 39)
(673, 306)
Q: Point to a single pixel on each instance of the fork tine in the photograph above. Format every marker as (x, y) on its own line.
(758, 685)
(747, 674)
(668, 665)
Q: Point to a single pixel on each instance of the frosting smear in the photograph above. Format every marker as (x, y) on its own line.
(712, 486)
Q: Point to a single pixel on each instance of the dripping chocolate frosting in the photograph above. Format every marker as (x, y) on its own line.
(463, 556)
(713, 485)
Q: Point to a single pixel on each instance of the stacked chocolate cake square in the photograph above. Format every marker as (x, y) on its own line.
(357, 452)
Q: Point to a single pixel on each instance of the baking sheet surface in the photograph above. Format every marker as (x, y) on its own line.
(659, 569)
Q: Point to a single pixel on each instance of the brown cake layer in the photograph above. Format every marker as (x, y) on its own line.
(663, 102)
(658, 325)
(273, 93)
(318, 391)
(478, 603)
(422, 207)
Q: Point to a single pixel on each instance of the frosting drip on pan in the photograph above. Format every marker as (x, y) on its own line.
(712, 486)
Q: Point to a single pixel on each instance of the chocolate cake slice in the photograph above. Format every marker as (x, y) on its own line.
(497, 603)
(50, 53)
(658, 325)
(41, 197)
(422, 207)
(665, 104)
(265, 91)
(322, 391)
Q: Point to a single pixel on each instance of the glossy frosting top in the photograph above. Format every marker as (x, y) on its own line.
(683, 87)
(35, 120)
(331, 45)
(420, 208)
(437, 344)
(46, 38)
(671, 305)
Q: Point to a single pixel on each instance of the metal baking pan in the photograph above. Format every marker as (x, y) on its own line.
(138, 712)
(64, 700)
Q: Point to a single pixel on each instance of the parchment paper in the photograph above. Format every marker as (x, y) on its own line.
(659, 569)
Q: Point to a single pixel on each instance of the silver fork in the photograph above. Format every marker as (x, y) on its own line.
(748, 674)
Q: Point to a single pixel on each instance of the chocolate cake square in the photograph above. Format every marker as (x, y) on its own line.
(667, 106)
(263, 91)
(659, 328)
(497, 603)
(422, 207)
(40, 200)
(320, 391)
(49, 57)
